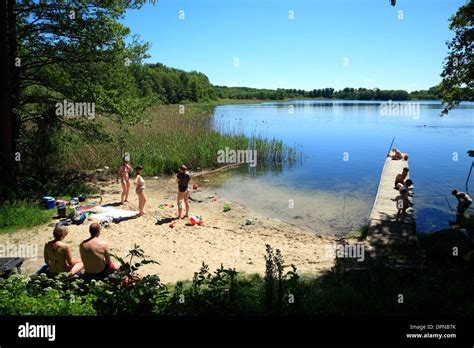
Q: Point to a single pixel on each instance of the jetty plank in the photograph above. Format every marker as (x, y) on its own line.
(383, 227)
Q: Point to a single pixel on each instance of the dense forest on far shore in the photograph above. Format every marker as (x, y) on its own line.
(173, 86)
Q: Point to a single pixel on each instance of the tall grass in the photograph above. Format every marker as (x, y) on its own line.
(22, 214)
(166, 139)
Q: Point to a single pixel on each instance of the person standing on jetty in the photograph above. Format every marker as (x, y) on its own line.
(123, 174)
(140, 190)
(183, 178)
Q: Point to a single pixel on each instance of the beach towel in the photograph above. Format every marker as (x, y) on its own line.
(110, 213)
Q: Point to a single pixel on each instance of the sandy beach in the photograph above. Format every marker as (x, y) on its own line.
(223, 238)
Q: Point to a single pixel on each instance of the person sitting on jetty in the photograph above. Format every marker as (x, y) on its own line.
(400, 178)
(58, 256)
(397, 155)
(464, 202)
(183, 178)
(95, 254)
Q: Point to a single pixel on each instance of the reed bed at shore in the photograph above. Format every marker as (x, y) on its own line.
(170, 135)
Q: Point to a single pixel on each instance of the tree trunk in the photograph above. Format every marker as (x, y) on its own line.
(9, 95)
(5, 83)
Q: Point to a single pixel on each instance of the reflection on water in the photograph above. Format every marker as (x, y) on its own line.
(344, 145)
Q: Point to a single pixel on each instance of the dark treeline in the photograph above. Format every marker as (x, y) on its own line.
(171, 86)
(327, 93)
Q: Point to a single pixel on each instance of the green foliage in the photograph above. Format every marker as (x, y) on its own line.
(22, 214)
(280, 289)
(38, 295)
(125, 292)
(437, 289)
(458, 71)
(361, 232)
(172, 86)
(226, 207)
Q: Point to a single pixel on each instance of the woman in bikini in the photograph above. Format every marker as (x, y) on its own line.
(123, 174)
(140, 190)
(58, 256)
(397, 155)
(183, 179)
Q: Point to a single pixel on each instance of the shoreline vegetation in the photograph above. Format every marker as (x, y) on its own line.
(147, 110)
(166, 137)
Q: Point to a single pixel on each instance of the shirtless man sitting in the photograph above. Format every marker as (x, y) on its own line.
(400, 179)
(58, 256)
(95, 254)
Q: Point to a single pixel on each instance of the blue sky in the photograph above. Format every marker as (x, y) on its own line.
(328, 43)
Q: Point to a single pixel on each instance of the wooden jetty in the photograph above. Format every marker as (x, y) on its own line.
(383, 227)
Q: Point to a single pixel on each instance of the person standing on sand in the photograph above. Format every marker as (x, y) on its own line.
(58, 256)
(183, 178)
(95, 254)
(140, 190)
(123, 174)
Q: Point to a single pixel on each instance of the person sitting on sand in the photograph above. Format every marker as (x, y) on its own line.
(95, 254)
(400, 178)
(464, 202)
(140, 190)
(183, 179)
(397, 155)
(123, 174)
(58, 256)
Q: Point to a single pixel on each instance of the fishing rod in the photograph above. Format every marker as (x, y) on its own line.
(469, 175)
(449, 204)
(390, 148)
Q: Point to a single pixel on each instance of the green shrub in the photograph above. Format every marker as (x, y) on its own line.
(225, 292)
(20, 295)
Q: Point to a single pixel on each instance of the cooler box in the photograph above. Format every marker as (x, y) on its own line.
(48, 202)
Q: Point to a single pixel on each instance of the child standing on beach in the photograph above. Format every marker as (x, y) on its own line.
(183, 179)
(123, 174)
(140, 190)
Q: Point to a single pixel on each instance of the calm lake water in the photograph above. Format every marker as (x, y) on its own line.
(344, 143)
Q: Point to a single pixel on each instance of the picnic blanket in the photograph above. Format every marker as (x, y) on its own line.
(110, 213)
